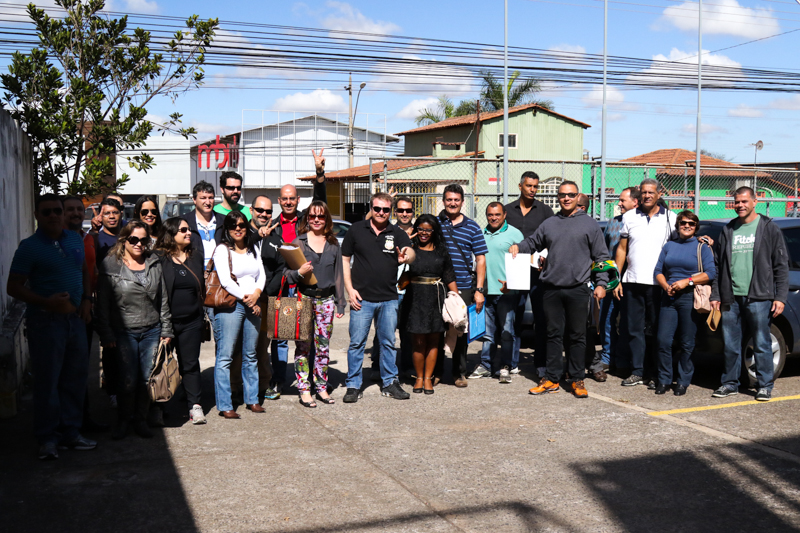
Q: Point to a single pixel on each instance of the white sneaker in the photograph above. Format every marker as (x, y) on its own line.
(514, 370)
(196, 415)
(505, 375)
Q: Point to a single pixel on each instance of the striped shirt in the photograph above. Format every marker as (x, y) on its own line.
(51, 266)
(469, 237)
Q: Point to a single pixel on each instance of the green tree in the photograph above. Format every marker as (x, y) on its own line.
(80, 95)
(521, 93)
(715, 155)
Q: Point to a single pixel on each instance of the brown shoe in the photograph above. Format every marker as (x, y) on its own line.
(600, 376)
(544, 387)
(256, 408)
(231, 415)
(579, 389)
(461, 382)
(436, 380)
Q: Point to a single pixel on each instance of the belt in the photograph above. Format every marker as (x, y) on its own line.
(426, 281)
(317, 293)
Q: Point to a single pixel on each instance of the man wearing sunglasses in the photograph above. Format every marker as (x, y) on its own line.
(230, 184)
(50, 275)
(288, 199)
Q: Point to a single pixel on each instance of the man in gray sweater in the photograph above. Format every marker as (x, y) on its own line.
(573, 241)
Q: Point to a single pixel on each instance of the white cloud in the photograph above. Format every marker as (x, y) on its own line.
(413, 109)
(614, 99)
(680, 67)
(722, 17)
(790, 104)
(320, 101)
(716, 60)
(133, 6)
(744, 110)
(424, 76)
(704, 129)
(347, 18)
(569, 48)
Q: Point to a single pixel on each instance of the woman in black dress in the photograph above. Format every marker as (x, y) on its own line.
(428, 275)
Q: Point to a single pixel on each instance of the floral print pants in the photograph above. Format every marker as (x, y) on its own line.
(323, 326)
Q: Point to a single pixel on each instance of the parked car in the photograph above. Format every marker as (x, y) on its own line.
(176, 208)
(127, 214)
(340, 229)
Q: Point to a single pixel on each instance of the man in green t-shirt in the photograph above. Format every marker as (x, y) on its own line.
(751, 287)
(230, 183)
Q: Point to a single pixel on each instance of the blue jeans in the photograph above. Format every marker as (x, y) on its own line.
(60, 364)
(385, 316)
(404, 362)
(500, 316)
(231, 323)
(614, 341)
(677, 314)
(756, 321)
(137, 351)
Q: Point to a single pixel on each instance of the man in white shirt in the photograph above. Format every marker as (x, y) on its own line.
(645, 230)
(204, 223)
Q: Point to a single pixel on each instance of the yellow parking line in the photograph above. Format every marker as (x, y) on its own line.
(723, 406)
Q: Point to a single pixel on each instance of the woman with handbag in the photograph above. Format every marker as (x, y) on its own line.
(183, 271)
(429, 279)
(133, 315)
(146, 210)
(685, 268)
(241, 275)
(321, 248)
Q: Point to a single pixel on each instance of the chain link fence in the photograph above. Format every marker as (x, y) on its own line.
(424, 180)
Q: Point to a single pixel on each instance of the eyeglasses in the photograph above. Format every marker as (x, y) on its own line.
(52, 211)
(287, 198)
(145, 212)
(316, 217)
(425, 231)
(567, 195)
(690, 223)
(133, 241)
(404, 211)
(232, 188)
(379, 209)
(240, 225)
(184, 229)
(261, 210)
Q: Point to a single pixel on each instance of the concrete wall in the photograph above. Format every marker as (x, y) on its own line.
(171, 174)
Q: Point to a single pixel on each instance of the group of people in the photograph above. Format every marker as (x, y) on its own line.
(140, 285)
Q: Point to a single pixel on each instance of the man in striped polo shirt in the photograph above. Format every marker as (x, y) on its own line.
(464, 239)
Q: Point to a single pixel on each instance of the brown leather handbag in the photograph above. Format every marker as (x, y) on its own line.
(289, 318)
(216, 295)
(165, 376)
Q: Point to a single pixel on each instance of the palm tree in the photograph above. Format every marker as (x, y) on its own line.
(521, 94)
(444, 109)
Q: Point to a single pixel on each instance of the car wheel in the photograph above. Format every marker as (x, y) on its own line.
(778, 357)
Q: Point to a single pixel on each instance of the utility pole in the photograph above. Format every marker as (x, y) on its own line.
(699, 121)
(603, 140)
(352, 117)
(505, 105)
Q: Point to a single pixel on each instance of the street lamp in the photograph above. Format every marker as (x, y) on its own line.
(349, 89)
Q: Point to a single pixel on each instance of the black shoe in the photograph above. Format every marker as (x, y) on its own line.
(352, 396)
(680, 390)
(142, 429)
(764, 395)
(724, 392)
(395, 391)
(662, 389)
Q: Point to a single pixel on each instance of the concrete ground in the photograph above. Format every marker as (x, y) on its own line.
(489, 457)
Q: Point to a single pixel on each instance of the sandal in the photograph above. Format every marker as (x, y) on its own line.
(328, 400)
(311, 405)
(429, 391)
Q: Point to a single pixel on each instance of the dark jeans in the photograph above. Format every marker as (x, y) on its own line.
(500, 310)
(614, 338)
(752, 316)
(539, 322)
(460, 350)
(677, 314)
(60, 364)
(188, 337)
(565, 309)
(643, 304)
(404, 361)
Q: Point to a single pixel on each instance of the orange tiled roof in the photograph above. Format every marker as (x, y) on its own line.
(674, 161)
(471, 119)
(364, 171)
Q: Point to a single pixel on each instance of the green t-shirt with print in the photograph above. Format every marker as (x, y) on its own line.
(219, 208)
(744, 240)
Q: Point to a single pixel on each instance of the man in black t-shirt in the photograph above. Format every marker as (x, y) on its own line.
(376, 248)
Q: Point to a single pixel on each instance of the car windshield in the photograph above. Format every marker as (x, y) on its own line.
(340, 229)
(185, 208)
(792, 237)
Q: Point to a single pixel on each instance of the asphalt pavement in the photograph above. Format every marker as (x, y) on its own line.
(490, 457)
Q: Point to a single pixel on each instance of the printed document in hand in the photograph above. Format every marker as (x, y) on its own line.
(537, 256)
(518, 272)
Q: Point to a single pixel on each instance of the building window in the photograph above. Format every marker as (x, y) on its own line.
(548, 191)
(512, 140)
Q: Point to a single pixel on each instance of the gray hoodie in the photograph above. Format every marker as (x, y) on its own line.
(573, 243)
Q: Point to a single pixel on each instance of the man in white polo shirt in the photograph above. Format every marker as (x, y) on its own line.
(645, 230)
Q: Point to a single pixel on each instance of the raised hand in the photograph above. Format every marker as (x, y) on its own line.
(319, 161)
(265, 231)
(97, 220)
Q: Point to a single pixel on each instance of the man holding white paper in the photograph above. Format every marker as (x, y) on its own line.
(574, 241)
(500, 302)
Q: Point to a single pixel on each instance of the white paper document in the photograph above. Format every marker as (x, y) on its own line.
(518, 272)
(537, 257)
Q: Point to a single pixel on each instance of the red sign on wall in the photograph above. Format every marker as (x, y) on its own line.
(226, 156)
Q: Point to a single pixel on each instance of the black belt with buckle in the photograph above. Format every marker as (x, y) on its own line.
(317, 293)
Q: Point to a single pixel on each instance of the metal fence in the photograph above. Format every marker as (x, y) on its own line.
(424, 180)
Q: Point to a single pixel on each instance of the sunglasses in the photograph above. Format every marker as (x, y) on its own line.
(133, 241)
(404, 211)
(145, 212)
(316, 217)
(240, 225)
(52, 211)
(689, 223)
(184, 229)
(232, 188)
(262, 210)
(567, 194)
(378, 209)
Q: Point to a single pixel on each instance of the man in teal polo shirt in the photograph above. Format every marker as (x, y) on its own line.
(230, 183)
(500, 303)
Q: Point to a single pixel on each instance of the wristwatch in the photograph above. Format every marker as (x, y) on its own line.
(481, 290)
(691, 282)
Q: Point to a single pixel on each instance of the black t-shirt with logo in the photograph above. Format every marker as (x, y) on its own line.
(374, 270)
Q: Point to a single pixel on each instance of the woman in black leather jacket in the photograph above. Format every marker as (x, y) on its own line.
(133, 315)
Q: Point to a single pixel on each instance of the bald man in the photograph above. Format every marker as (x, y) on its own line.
(289, 218)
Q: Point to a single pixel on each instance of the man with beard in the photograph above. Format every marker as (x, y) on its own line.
(230, 183)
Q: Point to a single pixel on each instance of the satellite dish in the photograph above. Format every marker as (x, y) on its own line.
(759, 144)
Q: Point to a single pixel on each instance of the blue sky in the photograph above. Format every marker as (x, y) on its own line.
(639, 120)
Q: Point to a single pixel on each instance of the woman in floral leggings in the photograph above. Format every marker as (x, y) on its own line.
(320, 247)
